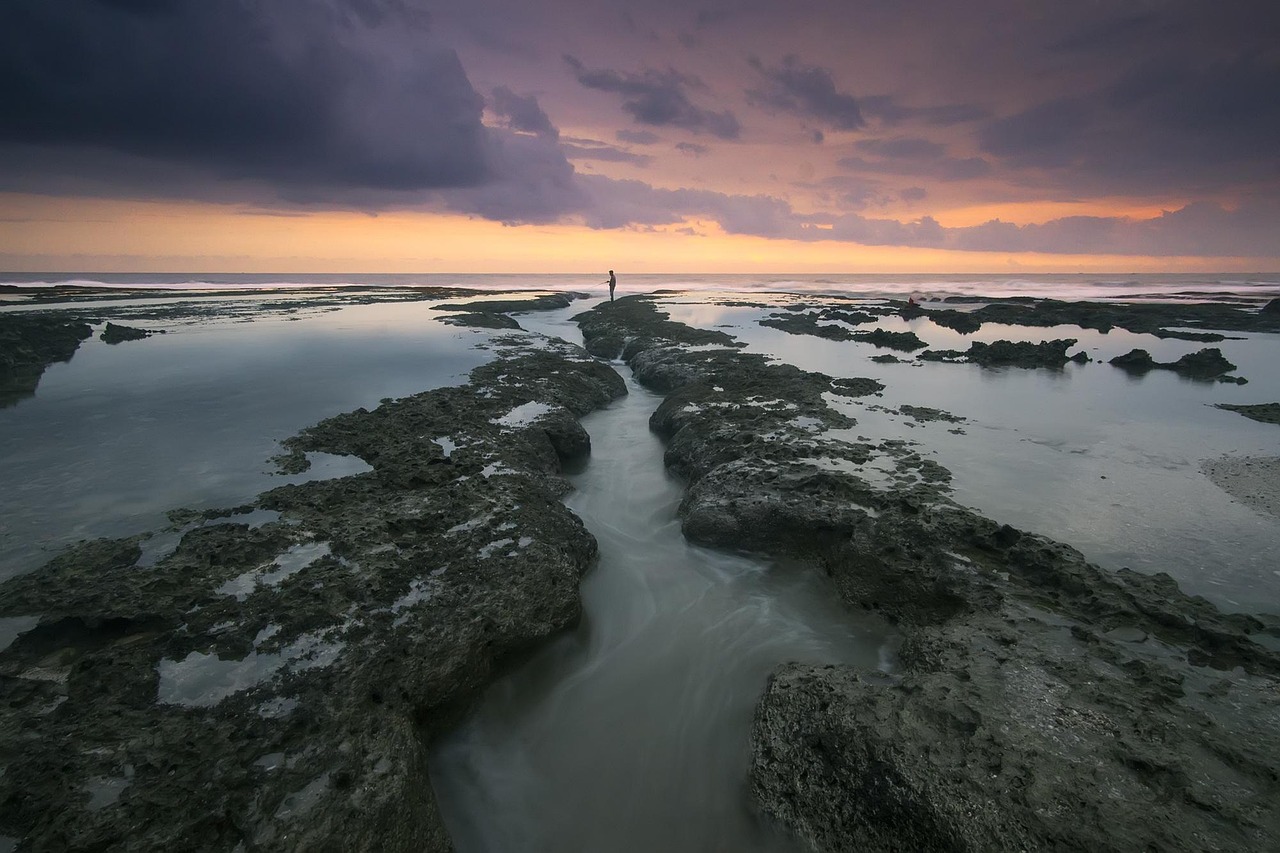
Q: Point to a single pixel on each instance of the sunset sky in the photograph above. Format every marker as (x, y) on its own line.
(657, 136)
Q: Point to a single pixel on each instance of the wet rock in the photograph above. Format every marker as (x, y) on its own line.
(28, 345)
(633, 324)
(1162, 319)
(1038, 701)
(481, 320)
(807, 324)
(1050, 354)
(1208, 363)
(275, 687)
(114, 333)
(924, 414)
(903, 341)
(1266, 413)
(1135, 361)
(960, 321)
(856, 386)
(542, 302)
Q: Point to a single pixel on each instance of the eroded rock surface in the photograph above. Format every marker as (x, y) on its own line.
(273, 682)
(28, 345)
(1051, 354)
(115, 333)
(1038, 702)
(1208, 363)
(1266, 413)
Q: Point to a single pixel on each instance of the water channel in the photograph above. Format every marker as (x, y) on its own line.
(631, 733)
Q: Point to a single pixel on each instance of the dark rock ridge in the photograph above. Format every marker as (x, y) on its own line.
(1267, 413)
(1038, 702)
(1051, 354)
(903, 341)
(542, 302)
(274, 681)
(631, 325)
(1162, 319)
(1208, 363)
(28, 345)
(114, 333)
(493, 313)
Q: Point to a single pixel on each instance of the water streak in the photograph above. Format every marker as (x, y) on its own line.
(632, 732)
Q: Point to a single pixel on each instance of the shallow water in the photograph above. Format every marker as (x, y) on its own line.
(1089, 455)
(632, 732)
(122, 433)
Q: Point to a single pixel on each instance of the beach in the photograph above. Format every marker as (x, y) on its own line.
(305, 566)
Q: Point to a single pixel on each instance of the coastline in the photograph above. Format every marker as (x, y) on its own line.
(1018, 654)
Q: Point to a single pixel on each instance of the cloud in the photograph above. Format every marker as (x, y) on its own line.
(941, 168)
(334, 94)
(659, 98)
(521, 112)
(637, 137)
(902, 148)
(1170, 125)
(913, 194)
(594, 149)
(890, 111)
(807, 91)
(692, 149)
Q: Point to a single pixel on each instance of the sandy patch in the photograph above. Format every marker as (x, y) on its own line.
(1252, 480)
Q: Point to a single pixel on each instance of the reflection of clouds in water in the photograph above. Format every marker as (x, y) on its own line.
(1086, 454)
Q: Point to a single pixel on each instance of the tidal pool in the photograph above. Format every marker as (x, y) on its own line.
(1089, 455)
(122, 433)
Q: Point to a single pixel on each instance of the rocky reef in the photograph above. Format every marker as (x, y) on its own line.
(28, 345)
(1050, 354)
(115, 333)
(1036, 702)
(1206, 364)
(1266, 413)
(1180, 319)
(271, 678)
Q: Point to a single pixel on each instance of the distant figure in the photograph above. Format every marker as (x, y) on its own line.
(613, 282)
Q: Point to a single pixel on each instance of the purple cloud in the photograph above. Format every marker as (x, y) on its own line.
(659, 98)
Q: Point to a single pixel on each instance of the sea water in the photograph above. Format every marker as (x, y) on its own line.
(632, 732)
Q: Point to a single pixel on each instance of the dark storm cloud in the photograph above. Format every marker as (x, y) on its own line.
(1175, 123)
(522, 112)
(807, 91)
(659, 98)
(304, 94)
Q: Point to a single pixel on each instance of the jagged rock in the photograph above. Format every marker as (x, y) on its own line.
(28, 345)
(114, 333)
(1208, 363)
(904, 341)
(1267, 413)
(1051, 354)
(960, 321)
(1039, 702)
(274, 685)
(481, 320)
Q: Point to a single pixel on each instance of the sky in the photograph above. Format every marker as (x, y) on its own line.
(657, 136)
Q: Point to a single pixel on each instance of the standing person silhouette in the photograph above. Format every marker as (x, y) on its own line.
(613, 282)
